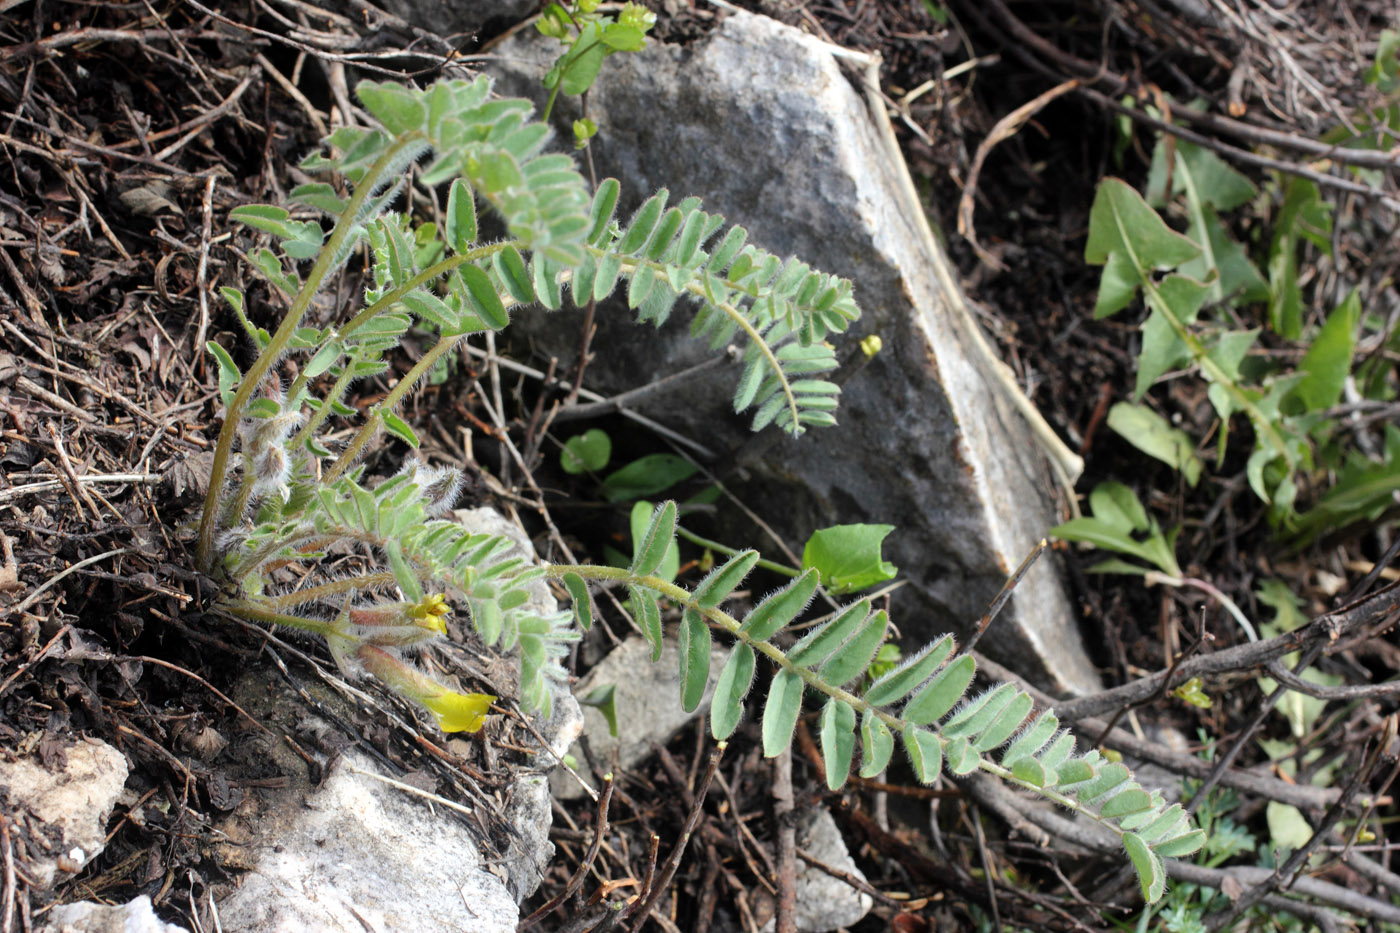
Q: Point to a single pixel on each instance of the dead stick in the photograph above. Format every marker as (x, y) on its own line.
(600, 830)
(786, 834)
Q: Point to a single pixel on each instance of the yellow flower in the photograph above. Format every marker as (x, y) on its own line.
(431, 612)
(459, 712)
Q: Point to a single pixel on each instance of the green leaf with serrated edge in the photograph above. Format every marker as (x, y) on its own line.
(821, 642)
(1147, 865)
(399, 428)
(925, 753)
(724, 579)
(694, 659)
(1152, 434)
(589, 451)
(648, 615)
(229, 374)
(1181, 845)
(934, 699)
(727, 706)
(265, 217)
(482, 297)
(1005, 724)
(855, 655)
(780, 608)
(460, 227)
(583, 602)
(1075, 771)
(1132, 800)
(643, 222)
(1058, 752)
(838, 740)
(780, 712)
(893, 686)
(848, 556)
(1033, 739)
(510, 268)
(1328, 360)
(1032, 772)
(1111, 775)
(978, 713)
(876, 745)
(655, 541)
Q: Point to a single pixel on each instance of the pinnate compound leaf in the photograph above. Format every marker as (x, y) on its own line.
(582, 600)
(933, 700)
(724, 579)
(847, 556)
(838, 739)
(727, 707)
(780, 608)
(781, 712)
(876, 745)
(694, 659)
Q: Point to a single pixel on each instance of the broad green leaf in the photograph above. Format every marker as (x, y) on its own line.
(1229, 349)
(876, 745)
(933, 700)
(848, 557)
(724, 579)
(925, 753)
(582, 61)
(589, 451)
(647, 476)
(838, 741)
(781, 712)
(395, 106)
(1328, 361)
(1150, 433)
(1121, 222)
(461, 217)
(727, 707)
(656, 540)
(1117, 506)
(582, 601)
(694, 659)
(779, 608)
(1075, 771)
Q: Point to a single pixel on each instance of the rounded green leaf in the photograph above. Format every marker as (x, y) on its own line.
(781, 712)
(838, 740)
(1148, 866)
(589, 451)
(848, 557)
(876, 745)
(925, 753)
(943, 691)
(780, 608)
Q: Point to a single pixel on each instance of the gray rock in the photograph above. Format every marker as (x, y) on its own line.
(136, 916)
(459, 17)
(61, 810)
(759, 120)
(825, 902)
(648, 703)
(356, 852)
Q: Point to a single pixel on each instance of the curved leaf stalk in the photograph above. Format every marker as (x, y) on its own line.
(1037, 754)
(204, 552)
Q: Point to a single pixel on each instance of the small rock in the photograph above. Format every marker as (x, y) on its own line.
(136, 916)
(648, 703)
(61, 805)
(824, 902)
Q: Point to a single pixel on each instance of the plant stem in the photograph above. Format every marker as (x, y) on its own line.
(208, 522)
(725, 549)
(359, 583)
(1152, 577)
(246, 609)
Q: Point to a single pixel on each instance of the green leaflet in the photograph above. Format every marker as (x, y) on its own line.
(856, 652)
(893, 686)
(727, 707)
(821, 642)
(583, 602)
(648, 617)
(1059, 751)
(694, 659)
(1151, 874)
(656, 540)
(876, 745)
(482, 296)
(838, 741)
(925, 753)
(781, 712)
(1004, 723)
(933, 700)
(724, 579)
(780, 608)
(1033, 739)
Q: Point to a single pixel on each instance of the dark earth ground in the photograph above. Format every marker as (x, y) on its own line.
(129, 130)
